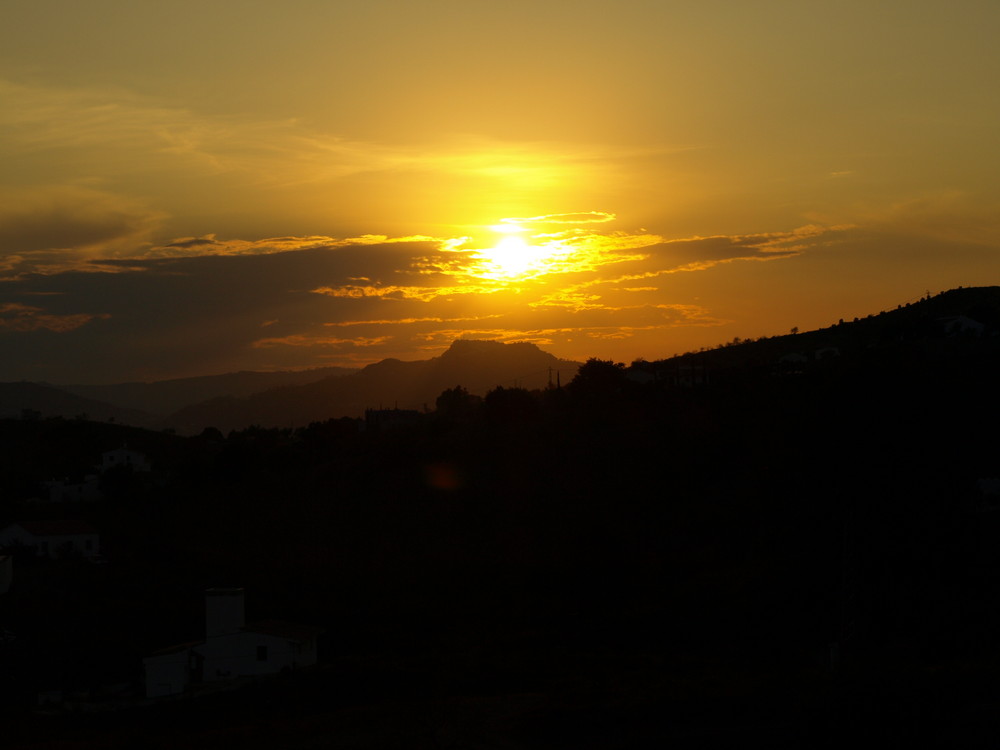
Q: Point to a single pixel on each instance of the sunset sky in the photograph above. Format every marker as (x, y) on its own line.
(201, 187)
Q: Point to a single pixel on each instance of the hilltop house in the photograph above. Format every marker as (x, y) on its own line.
(124, 457)
(955, 325)
(52, 539)
(231, 649)
(89, 489)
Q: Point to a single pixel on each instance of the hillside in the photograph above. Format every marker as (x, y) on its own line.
(933, 327)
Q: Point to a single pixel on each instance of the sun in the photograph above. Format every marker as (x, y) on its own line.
(512, 256)
(518, 255)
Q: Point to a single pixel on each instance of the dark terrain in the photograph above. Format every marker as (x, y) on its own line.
(780, 541)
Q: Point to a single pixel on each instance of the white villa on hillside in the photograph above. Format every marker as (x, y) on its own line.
(124, 457)
(231, 649)
(52, 538)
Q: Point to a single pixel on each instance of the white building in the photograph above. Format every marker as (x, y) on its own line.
(52, 538)
(124, 457)
(958, 324)
(231, 649)
(65, 491)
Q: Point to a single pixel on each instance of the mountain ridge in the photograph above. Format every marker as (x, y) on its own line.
(476, 365)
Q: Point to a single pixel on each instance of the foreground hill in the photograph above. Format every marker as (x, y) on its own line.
(478, 366)
(934, 328)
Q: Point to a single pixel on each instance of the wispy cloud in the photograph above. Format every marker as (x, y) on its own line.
(42, 227)
(301, 340)
(18, 317)
(584, 217)
(114, 124)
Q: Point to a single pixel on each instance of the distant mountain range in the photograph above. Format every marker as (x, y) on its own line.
(26, 399)
(164, 397)
(478, 366)
(283, 399)
(287, 399)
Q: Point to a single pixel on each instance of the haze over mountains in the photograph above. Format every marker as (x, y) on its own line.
(289, 399)
(477, 366)
(164, 397)
(284, 399)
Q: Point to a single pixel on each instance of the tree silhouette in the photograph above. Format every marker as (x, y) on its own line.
(598, 378)
(507, 405)
(457, 404)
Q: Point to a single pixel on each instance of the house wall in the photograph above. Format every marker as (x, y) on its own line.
(124, 457)
(167, 674)
(85, 545)
(63, 491)
(16, 536)
(50, 546)
(245, 654)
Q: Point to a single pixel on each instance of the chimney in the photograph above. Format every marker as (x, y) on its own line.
(224, 613)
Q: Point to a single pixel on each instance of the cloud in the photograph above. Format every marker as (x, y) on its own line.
(408, 321)
(194, 242)
(18, 317)
(584, 217)
(43, 224)
(195, 304)
(597, 324)
(210, 244)
(319, 341)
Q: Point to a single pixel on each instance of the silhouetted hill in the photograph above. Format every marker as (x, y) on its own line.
(16, 398)
(477, 366)
(933, 326)
(164, 397)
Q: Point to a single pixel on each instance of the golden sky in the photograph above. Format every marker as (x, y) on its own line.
(191, 188)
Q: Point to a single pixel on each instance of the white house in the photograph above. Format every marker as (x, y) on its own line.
(827, 352)
(65, 491)
(957, 324)
(124, 457)
(52, 538)
(231, 649)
